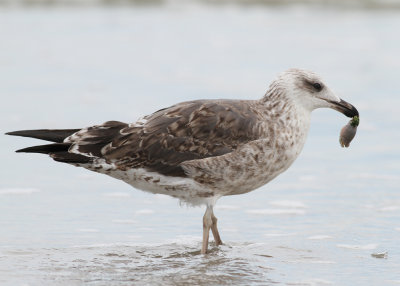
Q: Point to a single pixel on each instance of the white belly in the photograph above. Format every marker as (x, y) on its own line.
(186, 190)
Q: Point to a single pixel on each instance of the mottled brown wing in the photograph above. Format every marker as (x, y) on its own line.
(186, 131)
(90, 141)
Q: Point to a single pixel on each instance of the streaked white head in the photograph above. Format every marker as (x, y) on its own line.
(308, 91)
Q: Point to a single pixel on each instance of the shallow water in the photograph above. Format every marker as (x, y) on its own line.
(326, 221)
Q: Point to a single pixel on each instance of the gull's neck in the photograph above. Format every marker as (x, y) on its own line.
(292, 120)
(279, 104)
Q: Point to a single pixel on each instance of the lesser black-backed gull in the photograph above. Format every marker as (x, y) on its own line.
(199, 151)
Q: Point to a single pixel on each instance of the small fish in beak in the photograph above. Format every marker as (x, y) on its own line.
(348, 132)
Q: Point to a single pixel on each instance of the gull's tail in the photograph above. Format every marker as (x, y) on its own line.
(57, 150)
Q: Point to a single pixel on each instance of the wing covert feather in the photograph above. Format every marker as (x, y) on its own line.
(183, 132)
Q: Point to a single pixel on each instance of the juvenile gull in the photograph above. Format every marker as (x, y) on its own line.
(199, 151)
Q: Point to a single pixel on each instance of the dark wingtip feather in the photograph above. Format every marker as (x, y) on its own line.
(30, 150)
(45, 149)
(55, 135)
(13, 133)
(66, 157)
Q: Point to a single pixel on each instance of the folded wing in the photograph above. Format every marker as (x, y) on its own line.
(159, 142)
(163, 140)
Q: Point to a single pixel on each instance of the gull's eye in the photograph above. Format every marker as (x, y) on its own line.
(317, 86)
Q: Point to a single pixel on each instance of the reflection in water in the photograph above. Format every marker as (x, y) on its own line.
(178, 263)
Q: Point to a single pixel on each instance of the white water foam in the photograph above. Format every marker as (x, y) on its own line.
(18, 191)
(359, 247)
(288, 204)
(276, 212)
(319, 237)
(144, 212)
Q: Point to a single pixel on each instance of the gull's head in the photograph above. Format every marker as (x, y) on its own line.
(309, 91)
